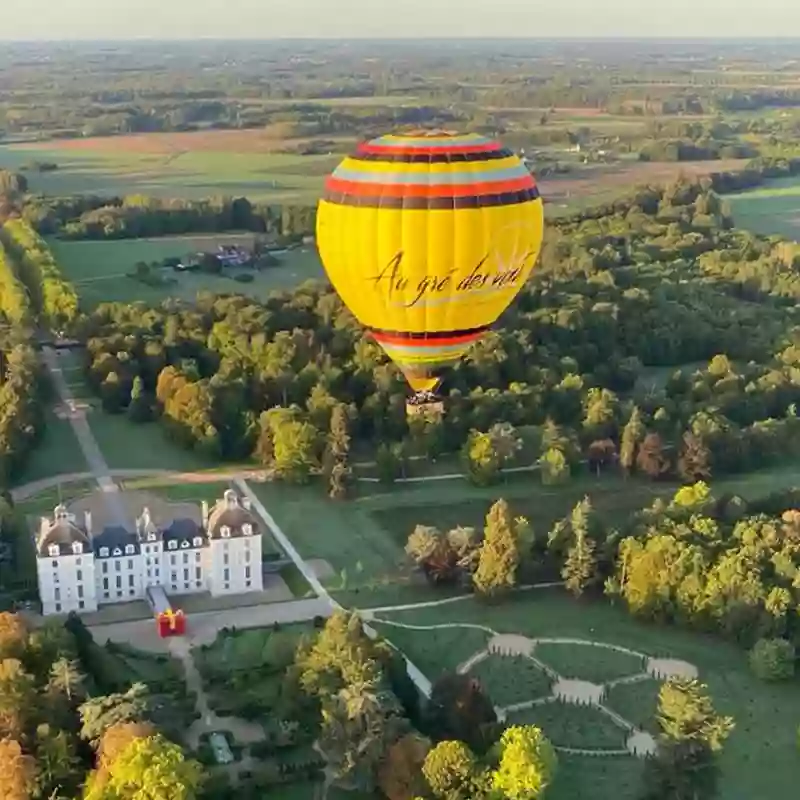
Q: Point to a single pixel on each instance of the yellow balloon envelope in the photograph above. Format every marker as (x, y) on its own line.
(427, 237)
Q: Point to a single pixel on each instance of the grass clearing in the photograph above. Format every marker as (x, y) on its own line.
(588, 663)
(760, 759)
(511, 679)
(100, 269)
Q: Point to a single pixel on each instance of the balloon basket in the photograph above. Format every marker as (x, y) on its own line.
(424, 404)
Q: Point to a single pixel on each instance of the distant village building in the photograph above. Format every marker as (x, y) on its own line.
(79, 568)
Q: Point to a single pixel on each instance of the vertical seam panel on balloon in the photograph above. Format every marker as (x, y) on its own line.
(447, 317)
(380, 226)
(429, 215)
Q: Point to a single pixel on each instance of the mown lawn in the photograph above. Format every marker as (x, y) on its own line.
(760, 758)
(56, 453)
(568, 725)
(370, 567)
(587, 663)
(637, 702)
(509, 680)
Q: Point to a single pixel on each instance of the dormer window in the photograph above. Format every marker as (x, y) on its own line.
(173, 545)
(184, 544)
(225, 532)
(247, 529)
(77, 548)
(53, 550)
(129, 549)
(151, 537)
(103, 552)
(197, 541)
(117, 551)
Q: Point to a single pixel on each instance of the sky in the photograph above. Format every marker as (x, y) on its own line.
(265, 19)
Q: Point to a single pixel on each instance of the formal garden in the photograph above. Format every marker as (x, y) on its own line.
(114, 667)
(244, 674)
(589, 675)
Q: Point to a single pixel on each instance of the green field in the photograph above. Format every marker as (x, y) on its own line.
(774, 209)
(100, 269)
(164, 167)
(760, 759)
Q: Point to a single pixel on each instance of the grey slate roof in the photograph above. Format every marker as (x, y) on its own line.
(116, 539)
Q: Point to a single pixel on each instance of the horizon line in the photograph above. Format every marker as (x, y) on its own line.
(416, 38)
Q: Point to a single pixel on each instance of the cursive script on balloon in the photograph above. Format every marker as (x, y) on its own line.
(479, 278)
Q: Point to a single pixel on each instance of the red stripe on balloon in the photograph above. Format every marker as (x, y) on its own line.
(463, 149)
(431, 190)
(414, 341)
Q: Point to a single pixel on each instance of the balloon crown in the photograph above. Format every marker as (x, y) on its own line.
(438, 133)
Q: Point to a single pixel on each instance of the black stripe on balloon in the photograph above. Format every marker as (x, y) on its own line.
(432, 203)
(415, 336)
(434, 158)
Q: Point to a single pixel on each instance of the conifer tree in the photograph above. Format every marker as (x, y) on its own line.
(499, 555)
(632, 435)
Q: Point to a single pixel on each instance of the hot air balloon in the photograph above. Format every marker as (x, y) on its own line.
(427, 237)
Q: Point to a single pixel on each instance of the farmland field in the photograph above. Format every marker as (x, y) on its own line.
(100, 270)
(176, 165)
(244, 162)
(774, 209)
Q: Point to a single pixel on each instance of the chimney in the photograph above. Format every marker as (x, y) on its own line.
(204, 513)
(87, 523)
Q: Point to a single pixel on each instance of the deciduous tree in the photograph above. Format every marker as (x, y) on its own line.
(400, 774)
(17, 771)
(651, 459)
(459, 709)
(148, 769)
(694, 461)
(453, 772)
(13, 635)
(527, 763)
